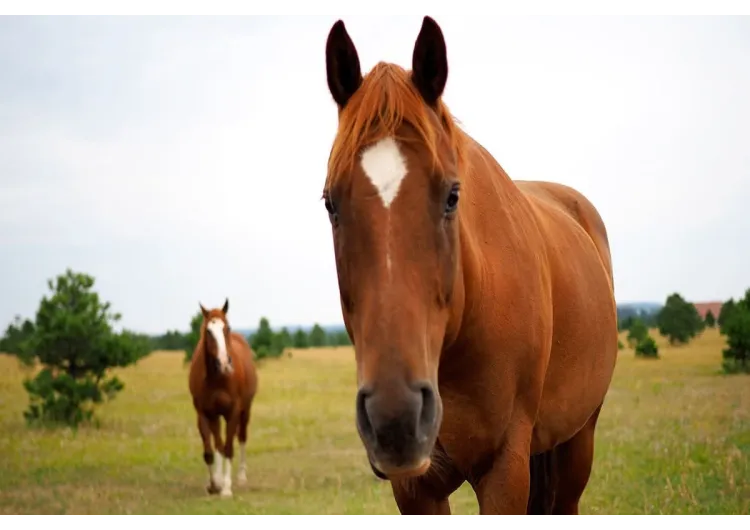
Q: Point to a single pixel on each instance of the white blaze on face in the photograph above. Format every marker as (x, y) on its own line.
(385, 166)
(216, 328)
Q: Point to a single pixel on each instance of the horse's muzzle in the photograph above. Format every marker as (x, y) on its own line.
(376, 471)
(398, 427)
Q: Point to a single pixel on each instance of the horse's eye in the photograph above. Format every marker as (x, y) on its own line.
(331, 208)
(452, 202)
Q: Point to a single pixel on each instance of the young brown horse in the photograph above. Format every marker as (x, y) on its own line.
(484, 328)
(223, 383)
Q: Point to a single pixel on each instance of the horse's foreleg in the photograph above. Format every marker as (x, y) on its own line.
(242, 438)
(504, 488)
(232, 423)
(212, 460)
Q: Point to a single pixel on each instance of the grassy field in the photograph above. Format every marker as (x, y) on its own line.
(673, 437)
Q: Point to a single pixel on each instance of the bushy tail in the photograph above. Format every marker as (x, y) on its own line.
(543, 471)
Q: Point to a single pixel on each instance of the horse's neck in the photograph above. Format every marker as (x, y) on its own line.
(212, 370)
(208, 362)
(492, 200)
(486, 174)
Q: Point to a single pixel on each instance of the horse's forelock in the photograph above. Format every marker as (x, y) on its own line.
(386, 100)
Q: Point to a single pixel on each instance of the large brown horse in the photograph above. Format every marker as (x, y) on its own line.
(223, 383)
(481, 309)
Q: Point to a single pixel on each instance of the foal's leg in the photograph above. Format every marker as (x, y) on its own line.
(212, 460)
(232, 422)
(242, 437)
(574, 460)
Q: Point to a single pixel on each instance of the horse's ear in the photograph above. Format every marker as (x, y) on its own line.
(203, 310)
(429, 62)
(225, 309)
(342, 65)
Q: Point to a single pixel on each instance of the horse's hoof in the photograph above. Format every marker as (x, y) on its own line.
(212, 489)
(241, 479)
(226, 493)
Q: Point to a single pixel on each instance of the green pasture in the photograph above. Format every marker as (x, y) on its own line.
(673, 437)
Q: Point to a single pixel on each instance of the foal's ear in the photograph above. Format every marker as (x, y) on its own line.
(225, 308)
(342, 65)
(203, 310)
(429, 62)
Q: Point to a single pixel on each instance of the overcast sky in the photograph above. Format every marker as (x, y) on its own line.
(181, 160)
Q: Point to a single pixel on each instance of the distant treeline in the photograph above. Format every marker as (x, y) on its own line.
(265, 341)
(269, 342)
(627, 314)
(73, 340)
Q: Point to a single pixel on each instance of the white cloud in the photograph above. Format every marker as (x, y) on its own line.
(183, 159)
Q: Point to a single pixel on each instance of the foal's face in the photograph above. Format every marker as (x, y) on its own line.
(217, 338)
(395, 232)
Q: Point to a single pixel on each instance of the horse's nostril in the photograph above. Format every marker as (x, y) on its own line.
(429, 410)
(363, 419)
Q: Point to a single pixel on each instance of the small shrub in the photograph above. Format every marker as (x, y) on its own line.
(637, 332)
(647, 348)
(73, 339)
(267, 344)
(262, 352)
(679, 320)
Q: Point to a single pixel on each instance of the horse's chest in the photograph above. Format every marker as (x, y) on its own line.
(473, 423)
(219, 402)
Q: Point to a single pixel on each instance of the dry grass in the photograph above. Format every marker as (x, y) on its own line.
(674, 437)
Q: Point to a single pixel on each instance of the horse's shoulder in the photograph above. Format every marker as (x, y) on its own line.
(242, 347)
(239, 340)
(558, 201)
(239, 336)
(563, 198)
(550, 193)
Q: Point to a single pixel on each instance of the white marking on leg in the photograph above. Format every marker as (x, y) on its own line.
(242, 472)
(216, 328)
(226, 487)
(215, 470)
(385, 166)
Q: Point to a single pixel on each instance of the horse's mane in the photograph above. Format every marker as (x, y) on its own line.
(386, 99)
(203, 336)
